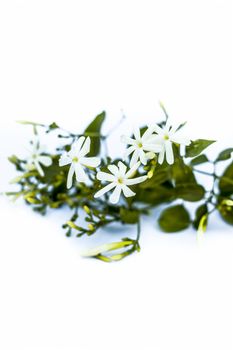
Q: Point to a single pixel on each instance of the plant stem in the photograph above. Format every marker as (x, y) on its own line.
(138, 230)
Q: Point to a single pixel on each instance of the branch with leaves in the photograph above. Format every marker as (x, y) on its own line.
(159, 166)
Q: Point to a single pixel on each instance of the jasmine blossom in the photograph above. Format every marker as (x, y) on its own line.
(166, 136)
(77, 159)
(141, 147)
(119, 180)
(36, 158)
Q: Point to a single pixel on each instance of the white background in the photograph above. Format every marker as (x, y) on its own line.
(66, 61)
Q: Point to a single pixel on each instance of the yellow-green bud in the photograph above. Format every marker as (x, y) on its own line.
(91, 227)
(87, 210)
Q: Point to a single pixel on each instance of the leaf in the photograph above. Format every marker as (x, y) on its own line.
(196, 147)
(93, 130)
(225, 154)
(190, 192)
(160, 175)
(52, 171)
(174, 219)
(226, 211)
(182, 173)
(181, 126)
(16, 161)
(53, 126)
(226, 181)
(200, 212)
(155, 195)
(199, 160)
(129, 216)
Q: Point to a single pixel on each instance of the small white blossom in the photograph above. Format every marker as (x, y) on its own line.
(165, 137)
(36, 158)
(142, 147)
(119, 180)
(77, 159)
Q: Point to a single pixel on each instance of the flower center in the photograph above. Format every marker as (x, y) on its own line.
(120, 180)
(75, 159)
(140, 145)
(166, 137)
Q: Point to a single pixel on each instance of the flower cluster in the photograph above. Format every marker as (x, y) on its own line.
(155, 140)
(159, 166)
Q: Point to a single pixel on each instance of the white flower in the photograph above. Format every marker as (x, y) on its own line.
(119, 181)
(165, 137)
(143, 147)
(77, 159)
(36, 157)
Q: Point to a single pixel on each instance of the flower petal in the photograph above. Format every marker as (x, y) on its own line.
(76, 146)
(134, 158)
(102, 176)
(80, 173)
(92, 162)
(167, 126)
(38, 167)
(64, 160)
(161, 156)
(45, 160)
(86, 147)
(132, 170)
(137, 134)
(136, 180)
(128, 152)
(152, 147)
(148, 133)
(158, 129)
(115, 196)
(122, 168)
(169, 152)
(127, 191)
(142, 157)
(180, 140)
(128, 140)
(70, 176)
(114, 169)
(105, 189)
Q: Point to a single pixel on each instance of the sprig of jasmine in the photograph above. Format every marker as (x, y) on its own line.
(151, 172)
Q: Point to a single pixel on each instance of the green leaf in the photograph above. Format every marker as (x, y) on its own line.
(161, 174)
(190, 192)
(181, 126)
(17, 162)
(94, 131)
(155, 195)
(200, 212)
(174, 219)
(182, 173)
(53, 126)
(129, 216)
(226, 181)
(199, 160)
(225, 154)
(225, 209)
(52, 171)
(196, 147)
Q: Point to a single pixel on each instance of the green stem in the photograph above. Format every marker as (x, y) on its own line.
(138, 230)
